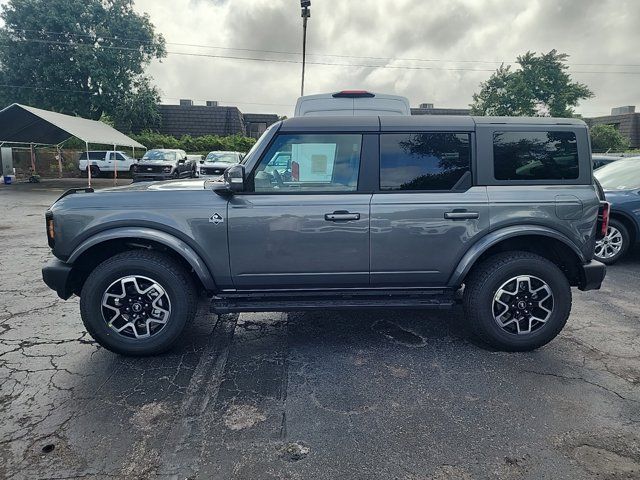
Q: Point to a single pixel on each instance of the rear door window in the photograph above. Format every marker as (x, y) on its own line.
(544, 155)
(423, 161)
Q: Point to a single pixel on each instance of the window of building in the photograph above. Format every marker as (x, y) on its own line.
(535, 155)
(307, 162)
(423, 161)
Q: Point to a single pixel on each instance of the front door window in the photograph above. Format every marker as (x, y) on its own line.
(310, 163)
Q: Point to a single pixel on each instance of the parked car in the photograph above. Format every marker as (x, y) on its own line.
(163, 164)
(602, 160)
(351, 103)
(621, 183)
(381, 212)
(101, 161)
(215, 163)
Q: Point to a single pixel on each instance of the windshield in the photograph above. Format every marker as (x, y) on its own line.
(620, 175)
(160, 155)
(222, 157)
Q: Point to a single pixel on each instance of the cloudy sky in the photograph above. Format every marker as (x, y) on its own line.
(449, 47)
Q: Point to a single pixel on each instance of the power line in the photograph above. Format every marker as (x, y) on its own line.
(68, 90)
(356, 65)
(283, 52)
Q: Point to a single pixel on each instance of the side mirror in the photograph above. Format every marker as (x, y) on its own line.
(233, 181)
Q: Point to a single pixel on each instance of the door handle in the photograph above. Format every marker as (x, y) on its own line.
(341, 216)
(460, 215)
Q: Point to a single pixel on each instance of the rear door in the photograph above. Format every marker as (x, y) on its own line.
(426, 212)
(304, 223)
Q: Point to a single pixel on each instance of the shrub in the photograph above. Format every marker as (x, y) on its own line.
(606, 137)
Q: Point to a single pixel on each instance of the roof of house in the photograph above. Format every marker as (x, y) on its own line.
(200, 120)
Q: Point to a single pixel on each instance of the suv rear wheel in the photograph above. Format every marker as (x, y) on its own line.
(517, 301)
(615, 243)
(138, 302)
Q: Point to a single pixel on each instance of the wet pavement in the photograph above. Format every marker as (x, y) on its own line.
(309, 395)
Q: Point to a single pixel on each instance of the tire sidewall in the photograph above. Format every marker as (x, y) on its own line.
(560, 289)
(91, 307)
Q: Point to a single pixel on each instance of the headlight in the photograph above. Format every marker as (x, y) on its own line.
(166, 169)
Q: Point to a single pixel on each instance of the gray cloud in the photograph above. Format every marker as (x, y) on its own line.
(453, 31)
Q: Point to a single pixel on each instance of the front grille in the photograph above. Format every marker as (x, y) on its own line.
(211, 171)
(142, 169)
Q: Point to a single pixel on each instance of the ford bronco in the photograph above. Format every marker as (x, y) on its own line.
(367, 212)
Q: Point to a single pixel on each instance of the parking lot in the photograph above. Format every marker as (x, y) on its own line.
(377, 394)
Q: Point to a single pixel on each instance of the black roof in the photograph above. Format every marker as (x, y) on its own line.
(410, 122)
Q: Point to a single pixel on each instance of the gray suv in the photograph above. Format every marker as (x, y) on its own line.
(366, 212)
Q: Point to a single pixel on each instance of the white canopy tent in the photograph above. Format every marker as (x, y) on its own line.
(28, 125)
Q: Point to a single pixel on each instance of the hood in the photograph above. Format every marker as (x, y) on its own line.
(188, 184)
(224, 165)
(166, 163)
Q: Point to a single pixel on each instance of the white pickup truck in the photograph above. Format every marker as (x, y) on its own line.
(105, 161)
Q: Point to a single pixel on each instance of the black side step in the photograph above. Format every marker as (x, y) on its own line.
(298, 300)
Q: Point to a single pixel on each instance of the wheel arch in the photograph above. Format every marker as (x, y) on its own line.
(102, 245)
(543, 241)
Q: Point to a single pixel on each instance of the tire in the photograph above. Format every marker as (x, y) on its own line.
(500, 271)
(95, 171)
(176, 174)
(176, 294)
(614, 245)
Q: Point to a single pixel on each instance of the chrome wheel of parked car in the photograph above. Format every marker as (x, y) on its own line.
(136, 307)
(522, 304)
(610, 245)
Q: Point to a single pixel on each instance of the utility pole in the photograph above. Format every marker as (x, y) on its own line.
(306, 13)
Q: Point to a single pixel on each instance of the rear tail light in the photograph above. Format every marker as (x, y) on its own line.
(51, 230)
(603, 219)
(353, 94)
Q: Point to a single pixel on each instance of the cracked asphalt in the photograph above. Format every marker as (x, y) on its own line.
(309, 395)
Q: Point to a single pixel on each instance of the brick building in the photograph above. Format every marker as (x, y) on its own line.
(429, 109)
(211, 119)
(624, 119)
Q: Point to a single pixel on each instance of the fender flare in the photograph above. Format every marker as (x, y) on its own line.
(497, 236)
(166, 239)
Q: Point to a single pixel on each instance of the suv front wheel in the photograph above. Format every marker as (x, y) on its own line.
(138, 302)
(517, 301)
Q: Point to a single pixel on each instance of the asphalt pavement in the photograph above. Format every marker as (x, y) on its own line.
(328, 395)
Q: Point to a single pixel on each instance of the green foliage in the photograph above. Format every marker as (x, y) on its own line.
(79, 57)
(188, 143)
(138, 108)
(540, 87)
(606, 137)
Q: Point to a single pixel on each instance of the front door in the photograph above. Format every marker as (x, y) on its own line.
(426, 213)
(303, 224)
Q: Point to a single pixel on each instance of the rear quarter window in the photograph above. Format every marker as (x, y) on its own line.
(542, 155)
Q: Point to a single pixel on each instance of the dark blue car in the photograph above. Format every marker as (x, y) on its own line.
(621, 183)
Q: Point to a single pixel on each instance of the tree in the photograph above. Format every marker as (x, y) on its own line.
(80, 57)
(138, 108)
(540, 87)
(606, 137)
